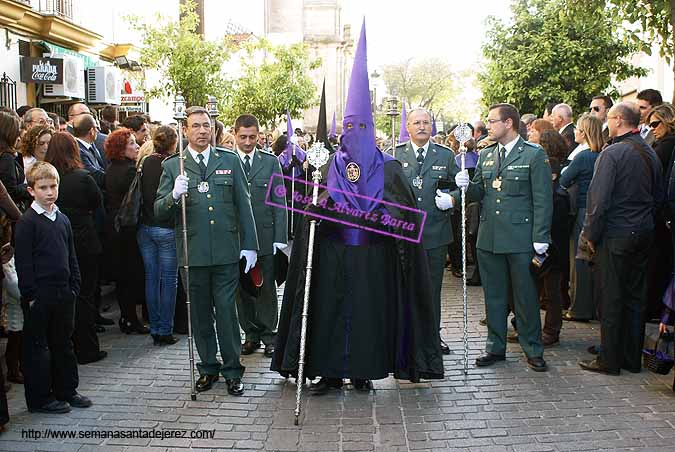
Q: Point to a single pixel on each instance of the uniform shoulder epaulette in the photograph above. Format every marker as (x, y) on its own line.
(492, 146)
(534, 145)
(401, 145)
(221, 149)
(442, 146)
(266, 152)
(172, 156)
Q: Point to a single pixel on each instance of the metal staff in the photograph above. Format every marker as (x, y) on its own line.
(392, 112)
(463, 134)
(317, 156)
(212, 109)
(179, 116)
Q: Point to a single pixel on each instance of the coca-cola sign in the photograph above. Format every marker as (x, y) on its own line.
(42, 70)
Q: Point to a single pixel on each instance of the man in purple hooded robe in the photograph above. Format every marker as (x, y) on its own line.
(370, 311)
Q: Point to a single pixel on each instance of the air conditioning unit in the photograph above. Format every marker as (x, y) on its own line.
(104, 85)
(73, 79)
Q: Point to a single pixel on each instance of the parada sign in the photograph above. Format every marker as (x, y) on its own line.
(42, 70)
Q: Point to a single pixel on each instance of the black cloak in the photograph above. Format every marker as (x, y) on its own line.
(370, 310)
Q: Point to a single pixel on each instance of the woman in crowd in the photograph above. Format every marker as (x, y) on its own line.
(12, 175)
(34, 145)
(121, 150)
(157, 243)
(227, 141)
(661, 121)
(537, 127)
(579, 173)
(79, 197)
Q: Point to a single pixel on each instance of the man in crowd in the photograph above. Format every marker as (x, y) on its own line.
(599, 108)
(622, 198)
(646, 100)
(479, 131)
(513, 182)
(222, 231)
(258, 315)
(261, 142)
(139, 127)
(84, 130)
(425, 164)
(561, 117)
(35, 117)
(78, 109)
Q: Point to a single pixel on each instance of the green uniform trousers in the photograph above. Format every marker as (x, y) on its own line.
(436, 258)
(212, 292)
(258, 316)
(499, 270)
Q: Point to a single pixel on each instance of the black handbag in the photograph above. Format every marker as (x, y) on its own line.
(132, 203)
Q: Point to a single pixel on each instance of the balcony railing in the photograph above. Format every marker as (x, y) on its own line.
(60, 8)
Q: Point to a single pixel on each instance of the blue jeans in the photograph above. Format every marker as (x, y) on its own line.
(158, 248)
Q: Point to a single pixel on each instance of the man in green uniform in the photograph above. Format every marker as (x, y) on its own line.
(425, 164)
(513, 184)
(258, 315)
(220, 230)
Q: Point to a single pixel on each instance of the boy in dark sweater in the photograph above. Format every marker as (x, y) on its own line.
(49, 282)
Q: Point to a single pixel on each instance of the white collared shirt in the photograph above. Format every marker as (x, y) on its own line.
(509, 146)
(244, 154)
(574, 153)
(42, 211)
(206, 153)
(416, 148)
(644, 130)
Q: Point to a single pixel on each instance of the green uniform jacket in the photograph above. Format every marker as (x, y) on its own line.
(439, 163)
(218, 221)
(516, 201)
(270, 221)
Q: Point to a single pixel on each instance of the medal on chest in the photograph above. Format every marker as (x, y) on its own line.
(417, 182)
(203, 187)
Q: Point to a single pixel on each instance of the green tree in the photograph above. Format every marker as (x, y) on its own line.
(185, 61)
(548, 52)
(280, 81)
(655, 20)
(427, 83)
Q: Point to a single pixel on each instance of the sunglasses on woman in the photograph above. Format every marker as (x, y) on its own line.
(654, 124)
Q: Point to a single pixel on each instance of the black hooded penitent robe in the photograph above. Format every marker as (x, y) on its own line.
(370, 307)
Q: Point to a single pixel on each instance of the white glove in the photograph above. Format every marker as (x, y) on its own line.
(462, 179)
(180, 187)
(540, 248)
(251, 258)
(443, 200)
(278, 246)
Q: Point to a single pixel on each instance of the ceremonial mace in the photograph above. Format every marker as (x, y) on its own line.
(317, 156)
(392, 112)
(212, 109)
(463, 134)
(179, 116)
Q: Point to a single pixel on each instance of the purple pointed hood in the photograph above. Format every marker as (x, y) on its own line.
(286, 157)
(358, 166)
(333, 128)
(403, 134)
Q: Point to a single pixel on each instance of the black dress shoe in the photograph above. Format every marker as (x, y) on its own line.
(249, 347)
(488, 359)
(456, 273)
(180, 329)
(269, 350)
(594, 365)
(444, 348)
(362, 385)
(537, 364)
(167, 339)
(550, 341)
(324, 385)
(80, 401)
(234, 386)
(100, 329)
(567, 315)
(483, 321)
(97, 357)
(205, 382)
(474, 282)
(53, 407)
(103, 321)
(155, 339)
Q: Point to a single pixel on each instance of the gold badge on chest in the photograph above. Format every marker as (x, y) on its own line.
(497, 184)
(353, 172)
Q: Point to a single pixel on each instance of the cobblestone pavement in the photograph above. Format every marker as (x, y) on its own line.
(506, 407)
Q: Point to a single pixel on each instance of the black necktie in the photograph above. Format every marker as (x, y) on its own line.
(502, 156)
(202, 166)
(247, 164)
(420, 160)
